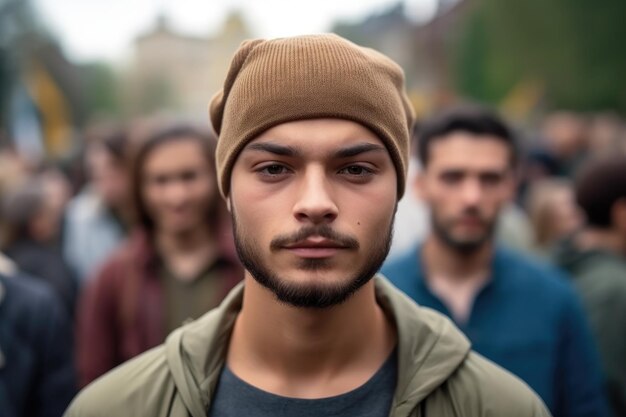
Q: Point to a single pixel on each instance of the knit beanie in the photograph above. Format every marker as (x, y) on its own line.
(271, 82)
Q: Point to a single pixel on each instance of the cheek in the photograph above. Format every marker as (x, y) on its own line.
(204, 192)
(434, 192)
(151, 196)
(442, 200)
(252, 214)
(370, 212)
(259, 204)
(498, 197)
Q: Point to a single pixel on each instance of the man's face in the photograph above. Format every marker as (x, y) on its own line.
(178, 186)
(109, 178)
(466, 182)
(313, 204)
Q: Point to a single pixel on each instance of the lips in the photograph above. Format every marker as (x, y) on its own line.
(470, 221)
(315, 247)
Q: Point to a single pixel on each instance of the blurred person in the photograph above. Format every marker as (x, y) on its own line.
(596, 259)
(553, 212)
(412, 221)
(179, 265)
(31, 213)
(606, 131)
(37, 375)
(98, 218)
(536, 165)
(566, 138)
(521, 314)
(311, 158)
(14, 169)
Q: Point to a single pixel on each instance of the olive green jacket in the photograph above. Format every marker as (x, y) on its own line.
(438, 374)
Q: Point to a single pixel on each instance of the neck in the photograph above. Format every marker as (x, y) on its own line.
(454, 276)
(593, 238)
(287, 350)
(122, 213)
(186, 241)
(442, 260)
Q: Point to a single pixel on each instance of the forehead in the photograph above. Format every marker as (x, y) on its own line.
(467, 150)
(175, 154)
(99, 155)
(316, 137)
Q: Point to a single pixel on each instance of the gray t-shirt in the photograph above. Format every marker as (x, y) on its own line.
(235, 398)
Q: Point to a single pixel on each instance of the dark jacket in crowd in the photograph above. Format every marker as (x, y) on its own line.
(600, 277)
(37, 375)
(45, 262)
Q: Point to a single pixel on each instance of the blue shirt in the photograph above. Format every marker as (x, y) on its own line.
(528, 320)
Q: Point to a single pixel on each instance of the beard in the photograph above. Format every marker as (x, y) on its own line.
(310, 295)
(464, 246)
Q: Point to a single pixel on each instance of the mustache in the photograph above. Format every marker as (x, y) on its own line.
(473, 212)
(324, 231)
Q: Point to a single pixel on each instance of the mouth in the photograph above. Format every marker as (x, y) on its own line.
(315, 247)
(471, 221)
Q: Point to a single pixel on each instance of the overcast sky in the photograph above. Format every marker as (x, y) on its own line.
(104, 29)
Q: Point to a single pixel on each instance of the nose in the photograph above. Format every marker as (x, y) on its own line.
(471, 192)
(315, 202)
(175, 192)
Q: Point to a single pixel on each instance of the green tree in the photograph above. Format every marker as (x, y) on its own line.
(570, 46)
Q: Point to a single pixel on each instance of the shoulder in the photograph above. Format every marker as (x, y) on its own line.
(85, 207)
(606, 270)
(550, 290)
(479, 384)
(128, 254)
(141, 386)
(32, 313)
(113, 277)
(530, 272)
(31, 296)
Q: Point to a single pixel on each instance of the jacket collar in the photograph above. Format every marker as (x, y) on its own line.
(430, 349)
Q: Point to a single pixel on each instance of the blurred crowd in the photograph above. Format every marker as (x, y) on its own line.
(101, 257)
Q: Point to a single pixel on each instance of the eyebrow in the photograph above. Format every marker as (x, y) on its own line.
(290, 151)
(273, 148)
(355, 150)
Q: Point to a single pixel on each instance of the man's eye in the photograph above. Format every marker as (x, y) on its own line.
(189, 176)
(356, 170)
(491, 180)
(451, 177)
(273, 169)
(159, 180)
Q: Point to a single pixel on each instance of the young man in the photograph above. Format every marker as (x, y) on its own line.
(312, 152)
(596, 259)
(179, 265)
(522, 315)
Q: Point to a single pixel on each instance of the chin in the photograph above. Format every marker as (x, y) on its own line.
(318, 278)
(314, 293)
(180, 229)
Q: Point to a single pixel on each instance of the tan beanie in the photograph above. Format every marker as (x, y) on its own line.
(307, 77)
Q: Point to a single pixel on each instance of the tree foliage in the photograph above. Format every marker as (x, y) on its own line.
(572, 47)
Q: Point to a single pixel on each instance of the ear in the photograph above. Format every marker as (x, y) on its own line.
(418, 184)
(618, 214)
(512, 181)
